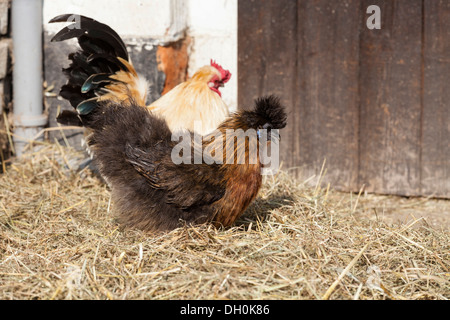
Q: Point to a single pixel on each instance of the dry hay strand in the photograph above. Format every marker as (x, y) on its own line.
(59, 240)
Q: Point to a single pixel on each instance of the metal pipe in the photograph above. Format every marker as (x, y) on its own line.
(26, 18)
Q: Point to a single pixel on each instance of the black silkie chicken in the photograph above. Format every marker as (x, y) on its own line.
(132, 147)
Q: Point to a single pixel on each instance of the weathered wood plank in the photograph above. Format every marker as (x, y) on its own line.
(267, 59)
(327, 97)
(435, 169)
(390, 111)
(374, 103)
(308, 54)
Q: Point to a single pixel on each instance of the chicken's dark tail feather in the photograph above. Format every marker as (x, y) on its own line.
(69, 118)
(100, 71)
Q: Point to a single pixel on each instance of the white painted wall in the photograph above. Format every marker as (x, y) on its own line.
(130, 19)
(213, 27)
(212, 24)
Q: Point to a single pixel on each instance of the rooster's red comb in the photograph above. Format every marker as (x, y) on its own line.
(225, 74)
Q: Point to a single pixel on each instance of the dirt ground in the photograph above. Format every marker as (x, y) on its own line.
(399, 210)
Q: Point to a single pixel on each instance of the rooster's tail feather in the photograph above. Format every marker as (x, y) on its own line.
(101, 70)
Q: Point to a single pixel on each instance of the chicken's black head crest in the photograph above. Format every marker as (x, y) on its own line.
(268, 113)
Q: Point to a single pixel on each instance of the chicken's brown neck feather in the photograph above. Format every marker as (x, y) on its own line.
(243, 181)
(242, 188)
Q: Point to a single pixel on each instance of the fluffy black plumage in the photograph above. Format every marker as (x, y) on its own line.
(132, 149)
(270, 110)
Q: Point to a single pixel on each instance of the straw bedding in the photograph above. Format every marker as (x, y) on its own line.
(59, 240)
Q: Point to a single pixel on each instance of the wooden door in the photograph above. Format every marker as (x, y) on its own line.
(374, 104)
